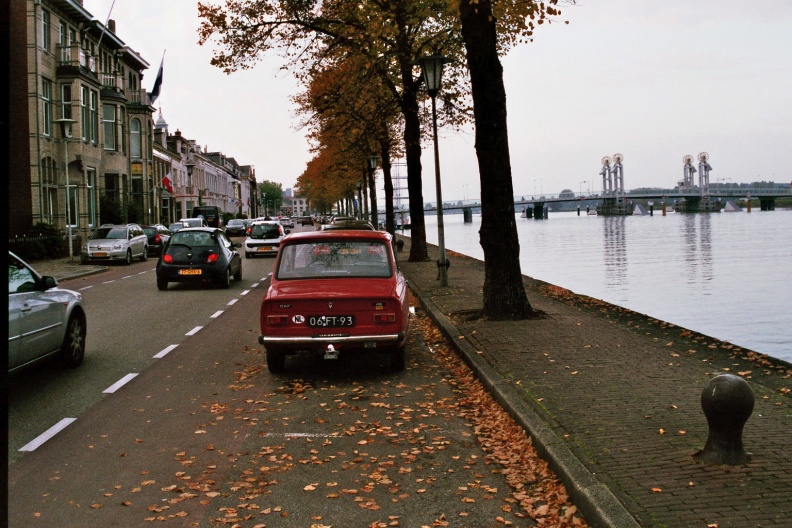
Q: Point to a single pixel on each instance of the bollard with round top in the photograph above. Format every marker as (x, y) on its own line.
(727, 402)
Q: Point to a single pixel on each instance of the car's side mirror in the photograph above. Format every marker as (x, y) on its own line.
(238, 245)
(49, 282)
(287, 231)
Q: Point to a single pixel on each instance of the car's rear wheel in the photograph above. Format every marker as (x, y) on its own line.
(128, 259)
(144, 256)
(247, 255)
(398, 359)
(73, 348)
(225, 281)
(238, 274)
(162, 283)
(276, 360)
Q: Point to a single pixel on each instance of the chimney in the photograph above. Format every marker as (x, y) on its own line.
(111, 26)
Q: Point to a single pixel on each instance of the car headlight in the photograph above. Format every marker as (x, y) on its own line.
(118, 246)
(85, 248)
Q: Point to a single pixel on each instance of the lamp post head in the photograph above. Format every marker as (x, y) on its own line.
(373, 159)
(64, 123)
(432, 71)
(359, 185)
(190, 166)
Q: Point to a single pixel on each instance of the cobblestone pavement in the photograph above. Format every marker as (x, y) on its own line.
(612, 399)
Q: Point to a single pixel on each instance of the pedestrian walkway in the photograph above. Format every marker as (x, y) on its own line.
(64, 269)
(612, 399)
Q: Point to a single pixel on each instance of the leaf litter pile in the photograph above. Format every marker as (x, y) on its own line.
(379, 449)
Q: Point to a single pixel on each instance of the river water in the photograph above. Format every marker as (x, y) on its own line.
(726, 275)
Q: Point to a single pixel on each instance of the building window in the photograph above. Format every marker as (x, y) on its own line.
(45, 29)
(73, 211)
(49, 189)
(134, 139)
(66, 108)
(84, 112)
(109, 126)
(46, 102)
(94, 117)
(90, 187)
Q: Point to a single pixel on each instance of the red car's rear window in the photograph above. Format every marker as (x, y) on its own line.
(333, 259)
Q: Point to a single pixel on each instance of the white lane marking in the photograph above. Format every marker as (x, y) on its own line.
(245, 292)
(142, 272)
(217, 314)
(85, 288)
(232, 302)
(255, 284)
(194, 331)
(302, 435)
(46, 435)
(164, 352)
(127, 277)
(108, 282)
(120, 383)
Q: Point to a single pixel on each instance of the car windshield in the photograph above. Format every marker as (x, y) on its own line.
(264, 231)
(334, 259)
(192, 239)
(150, 230)
(109, 232)
(236, 222)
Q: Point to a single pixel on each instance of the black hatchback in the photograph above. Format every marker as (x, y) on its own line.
(199, 254)
(158, 235)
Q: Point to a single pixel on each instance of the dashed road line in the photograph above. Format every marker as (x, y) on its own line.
(254, 285)
(194, 331)
(127, 277)
(46, 435)
(245, 292)
(164, 352)
(120, 383)
(217, 314)
(232, 302)
(86, 288)
(108, 282)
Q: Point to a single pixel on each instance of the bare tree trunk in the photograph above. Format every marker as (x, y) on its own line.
(504, 292)
(390, 226)
(412, 147)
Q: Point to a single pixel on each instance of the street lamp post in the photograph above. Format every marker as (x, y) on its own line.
(432, 69)
(64, 124)
(358, 211)
(373, 159)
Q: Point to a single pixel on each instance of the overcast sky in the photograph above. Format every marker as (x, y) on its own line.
(652, 79)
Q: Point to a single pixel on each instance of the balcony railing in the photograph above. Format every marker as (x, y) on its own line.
(74, 55)
(138, 97)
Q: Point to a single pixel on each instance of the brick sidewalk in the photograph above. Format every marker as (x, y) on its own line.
(612, 399)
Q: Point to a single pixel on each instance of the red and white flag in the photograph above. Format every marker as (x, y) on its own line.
(167, 182)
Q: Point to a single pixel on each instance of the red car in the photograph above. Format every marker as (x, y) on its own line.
(335, 292)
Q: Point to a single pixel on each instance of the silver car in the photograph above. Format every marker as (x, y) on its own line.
(43, 320)
(116, 242)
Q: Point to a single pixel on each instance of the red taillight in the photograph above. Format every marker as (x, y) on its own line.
(277, 319)
(384, 317)
(213, 257)
(167, 259)
(158, 239)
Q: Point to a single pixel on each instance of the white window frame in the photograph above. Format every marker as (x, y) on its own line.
(109, 126)
(46, 103)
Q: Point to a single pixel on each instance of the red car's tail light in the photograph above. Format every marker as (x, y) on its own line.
(277, 319)
(158, 239)
(213, 257)
(167, 259)
(384, 317)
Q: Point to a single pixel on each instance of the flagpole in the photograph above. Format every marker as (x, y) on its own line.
(104, 29)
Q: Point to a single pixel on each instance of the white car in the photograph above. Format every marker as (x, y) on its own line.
(43, 320)
(264, 238)
(114, 243)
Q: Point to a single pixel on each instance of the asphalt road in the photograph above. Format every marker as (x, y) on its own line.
(204, 435)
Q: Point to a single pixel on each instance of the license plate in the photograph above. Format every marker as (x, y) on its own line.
(99, 254)
(331, 321)
(265, 248)
(189, 272)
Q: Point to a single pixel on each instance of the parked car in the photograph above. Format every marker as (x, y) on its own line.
(334, 292)
(199, 254)
(306, 220)
(264, 238)
(176, 226)
(286, 222)
(115, 243)
(236, 227)
(43, 320)
(158, 235)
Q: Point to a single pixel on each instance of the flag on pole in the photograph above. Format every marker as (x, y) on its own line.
(157, 82)
(167, 182)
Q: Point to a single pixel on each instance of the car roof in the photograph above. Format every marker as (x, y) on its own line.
(200, 229)
(358, 234)
(266, 222)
